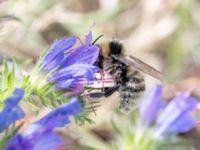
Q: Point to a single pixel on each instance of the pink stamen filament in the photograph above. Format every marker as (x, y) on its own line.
(108, 80)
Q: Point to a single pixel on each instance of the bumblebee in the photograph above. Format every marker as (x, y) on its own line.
(126, 72)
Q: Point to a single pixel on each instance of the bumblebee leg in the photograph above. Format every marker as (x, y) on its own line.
(109, 91)
(97, 94)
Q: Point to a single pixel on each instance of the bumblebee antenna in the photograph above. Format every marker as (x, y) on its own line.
(97, 39)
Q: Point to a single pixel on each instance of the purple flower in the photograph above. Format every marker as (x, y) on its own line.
(39, 135)
(55, 55)
(85, 54)
(73, 75)
(77, 66)
(70, 66)
(11, 111)
(175, 116)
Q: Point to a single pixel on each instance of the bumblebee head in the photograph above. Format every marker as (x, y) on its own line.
(115, 48)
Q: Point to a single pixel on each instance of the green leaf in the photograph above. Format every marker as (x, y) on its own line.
(4, 77)
(11, 80)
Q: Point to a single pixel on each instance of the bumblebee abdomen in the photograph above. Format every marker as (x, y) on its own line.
(131, 92)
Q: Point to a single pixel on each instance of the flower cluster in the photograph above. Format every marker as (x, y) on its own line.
(66, 65)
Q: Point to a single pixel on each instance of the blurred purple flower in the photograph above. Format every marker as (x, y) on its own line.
(40, 135)
(11, 112)
(175, 116)
(151, 105)
(60, 116)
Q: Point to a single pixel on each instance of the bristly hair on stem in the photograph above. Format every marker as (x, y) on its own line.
(87, 108)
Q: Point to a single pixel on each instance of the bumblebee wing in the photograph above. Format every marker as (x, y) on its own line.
(140, 66)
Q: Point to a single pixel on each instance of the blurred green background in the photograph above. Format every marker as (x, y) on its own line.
(162, 33)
